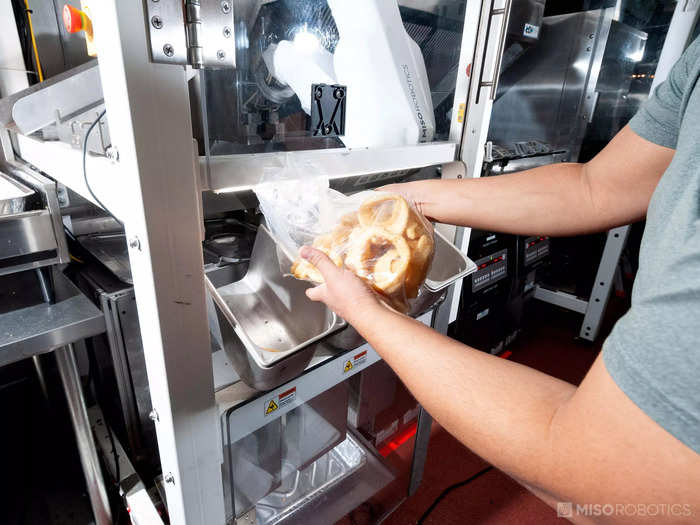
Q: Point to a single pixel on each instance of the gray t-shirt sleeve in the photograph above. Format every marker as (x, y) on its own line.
(659, 118)
(653, 352)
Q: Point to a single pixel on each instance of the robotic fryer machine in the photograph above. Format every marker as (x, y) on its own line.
(340, 431)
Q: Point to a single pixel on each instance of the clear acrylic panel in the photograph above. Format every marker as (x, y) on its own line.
(397, 65)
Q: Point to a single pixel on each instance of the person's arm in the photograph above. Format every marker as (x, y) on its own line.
(589, 444)
(612, 189)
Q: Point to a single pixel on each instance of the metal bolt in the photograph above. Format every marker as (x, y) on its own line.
(339, 93)
(169, 478)
(157, 22)
(112, 153)
(327, 129)
(153, 415)
(591, 36)
(226, 7)
(588, 48)
(135, 243)
(220, 54)
(227, 31)
(168, 50)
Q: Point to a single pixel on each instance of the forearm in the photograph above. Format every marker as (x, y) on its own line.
(550, 200)
(499, 409)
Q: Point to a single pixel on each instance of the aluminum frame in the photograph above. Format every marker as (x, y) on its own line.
(150, 126)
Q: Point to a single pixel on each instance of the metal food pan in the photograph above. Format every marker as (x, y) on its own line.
(448, 266)
(269, 328)
(13, 195)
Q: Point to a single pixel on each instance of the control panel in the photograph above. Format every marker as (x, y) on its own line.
(490, 270)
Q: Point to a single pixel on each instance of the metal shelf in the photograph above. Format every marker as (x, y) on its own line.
(43, 327)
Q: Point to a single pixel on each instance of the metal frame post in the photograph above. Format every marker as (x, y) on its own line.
(68, 370)
(615, 243)
(149, 118)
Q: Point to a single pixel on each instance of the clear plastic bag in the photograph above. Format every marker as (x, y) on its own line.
(379, 236)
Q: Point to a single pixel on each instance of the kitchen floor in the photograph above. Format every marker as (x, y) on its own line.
(547, 344)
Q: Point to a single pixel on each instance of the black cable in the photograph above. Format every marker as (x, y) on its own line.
(447, 491)
(85, 177)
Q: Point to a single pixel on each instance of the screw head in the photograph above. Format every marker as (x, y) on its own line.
(226, 7)
(169, 478)
(220, 54)
(112, 153)
(157, 22)
(227, 31)
(318, 93)
(169, 50)
(588, 48)
(339, 93)
(327, 129)
(153, 415)
(135, 243)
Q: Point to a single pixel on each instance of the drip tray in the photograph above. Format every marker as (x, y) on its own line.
(327, 489)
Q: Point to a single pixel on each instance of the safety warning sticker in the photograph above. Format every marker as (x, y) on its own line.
(356, 360)
(280, 401)
(271, 407)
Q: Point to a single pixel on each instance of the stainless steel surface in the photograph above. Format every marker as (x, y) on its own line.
(13, 195)
(499, 167)
(312, 429)
(254, 464)
(44, 327)
(239, 173)
(7, 103)
(68, 370)
(29, 231)
(25, 233)
(541, 95)
(505, 13)
(269, 327)
(111, 250)
(199, 32)
(57, 100)
(127, 358)
(449, 264)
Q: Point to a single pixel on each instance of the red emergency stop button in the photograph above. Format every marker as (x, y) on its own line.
(74, 19)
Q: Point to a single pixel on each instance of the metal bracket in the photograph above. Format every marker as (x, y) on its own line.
(493, 83)
(195, 32)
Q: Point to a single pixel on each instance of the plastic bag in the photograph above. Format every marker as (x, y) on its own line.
(379, 236)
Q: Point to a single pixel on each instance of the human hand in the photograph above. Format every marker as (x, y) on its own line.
(343, 291)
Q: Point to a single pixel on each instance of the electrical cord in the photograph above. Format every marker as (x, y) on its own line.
(33, 39)
(447, 491)
(85, 177)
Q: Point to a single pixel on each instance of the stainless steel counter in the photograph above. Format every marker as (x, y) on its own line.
(42, 327)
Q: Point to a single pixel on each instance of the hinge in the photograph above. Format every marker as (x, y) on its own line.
(195, 32)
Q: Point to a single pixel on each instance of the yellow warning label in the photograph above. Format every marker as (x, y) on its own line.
(460, 113)
(348, 366)
(271, 407)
